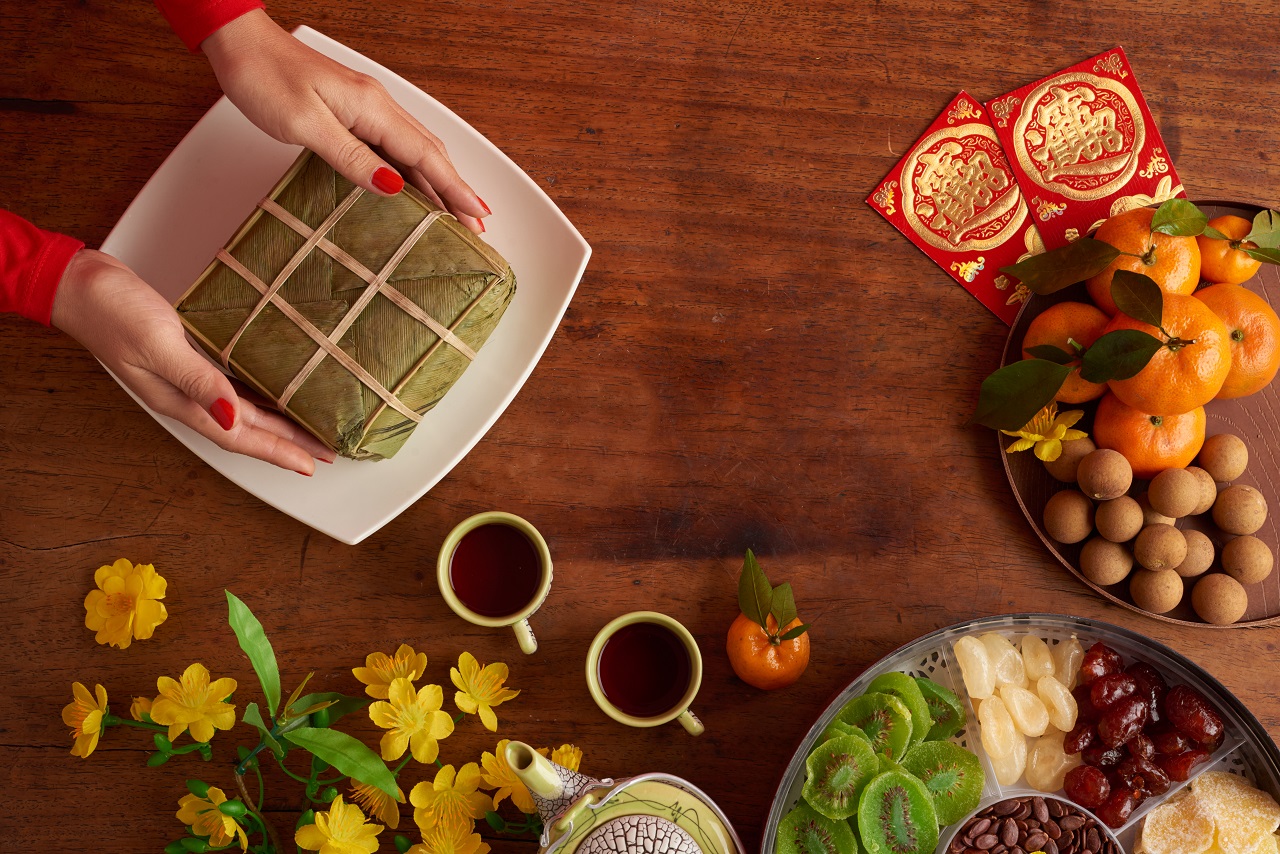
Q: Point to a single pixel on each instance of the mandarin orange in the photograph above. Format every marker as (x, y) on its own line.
(1173, 262)
(760, 662)
(1254, 331)
(1151, 443)
(1185, 373)
(1220, 262)
(1059, 325)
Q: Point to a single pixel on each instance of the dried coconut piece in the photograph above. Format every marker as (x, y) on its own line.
(1181, 825)
(1244, 814)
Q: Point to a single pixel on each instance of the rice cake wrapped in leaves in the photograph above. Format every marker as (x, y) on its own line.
(354, 312)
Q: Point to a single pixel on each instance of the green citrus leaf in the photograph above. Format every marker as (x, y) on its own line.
(1179, 218)
(351, 757)
(783, 606)
(253, 640)
(1266, 231)
(1014, 394)
(755, 595)
(1138, 296)
(1053, 271)
(1210, 231)
(1269, 256)
(795, 633)
(1119, 355)
(1051, 353)
(253, 717)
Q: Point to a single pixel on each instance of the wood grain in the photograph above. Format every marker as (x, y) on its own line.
(753, 359)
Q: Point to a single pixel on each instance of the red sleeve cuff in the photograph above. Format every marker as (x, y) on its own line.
(46, 274)
(196, 20)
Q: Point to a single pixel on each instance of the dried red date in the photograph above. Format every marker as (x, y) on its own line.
(1087, 786)
(1115, 811)
(1083, 735)
(1141, 747)
(1142, 776)
(1098, 756)
(1170, 741)
(1191, 714)
(1152, 685)
(1099, 661)
(1086, 710)
(1106, 691)
(1179, 766)
(1123, 721)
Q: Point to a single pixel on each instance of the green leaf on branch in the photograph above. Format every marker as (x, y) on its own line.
(1269, 256)
(1014, 394)
(253, 717)
(155, 760)
(1119, 355)
(1179, 218)
(1210, 231)
(339, 704)
(403, 843)
(755, 594)
(1266, 231)
(253, 640)
(1139, 297)
(795, 633)
(783, 606)
(496, 821)
(1055, 270)
(349, 756)
(1051, 353)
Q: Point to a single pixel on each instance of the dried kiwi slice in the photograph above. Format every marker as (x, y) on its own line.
(838, 728)
(905, 689)
(945, 708)
(952, 775)
(804, 831)
(896, 816)
(885, 719)
(836, 772)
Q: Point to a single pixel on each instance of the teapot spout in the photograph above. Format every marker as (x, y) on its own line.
(554, 787)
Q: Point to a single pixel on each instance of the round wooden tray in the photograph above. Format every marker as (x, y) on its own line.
(1256, 419)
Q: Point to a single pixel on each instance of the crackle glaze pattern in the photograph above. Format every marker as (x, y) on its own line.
(633, 834)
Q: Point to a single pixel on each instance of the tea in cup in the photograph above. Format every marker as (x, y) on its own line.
(494, 569)
(644, 669)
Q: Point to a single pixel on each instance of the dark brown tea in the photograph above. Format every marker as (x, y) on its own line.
(644, 669)
(495, 570)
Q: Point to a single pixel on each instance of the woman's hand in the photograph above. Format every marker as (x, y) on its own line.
(302, 97)
(134, 332)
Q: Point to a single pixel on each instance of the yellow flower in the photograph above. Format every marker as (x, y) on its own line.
(566, 756)
(194, 704)
(449, 800)
(125, 605)
(499, 777)
(205, 819)
(414, 720)
(84, 716)
(480, 689)
(377, 803)
(342, 830)
(1046, 432)
(451, 839)
(380, 669)
(140, 706)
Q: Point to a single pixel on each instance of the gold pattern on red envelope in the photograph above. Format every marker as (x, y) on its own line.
(955, 196)
(1084, 147)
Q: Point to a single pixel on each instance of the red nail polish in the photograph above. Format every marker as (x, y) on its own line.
(224, 413)
(303, 473)
(483, 205)
(387, 181)
(482, 228)
(323, 460)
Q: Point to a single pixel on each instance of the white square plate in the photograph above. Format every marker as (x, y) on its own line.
(203, 191)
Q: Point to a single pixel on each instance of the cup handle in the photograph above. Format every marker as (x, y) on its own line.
(690, 722)
(525, 637)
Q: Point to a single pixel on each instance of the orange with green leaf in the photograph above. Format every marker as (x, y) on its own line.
(1224, 259)
(1254, 333)
(1172, 261)
(1071, 327)
(768, 646)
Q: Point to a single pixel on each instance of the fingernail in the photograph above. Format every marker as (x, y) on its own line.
(483, 205)
(224, 413)
(303, 473)
(482, 228)
(387, 181)
(323, 460)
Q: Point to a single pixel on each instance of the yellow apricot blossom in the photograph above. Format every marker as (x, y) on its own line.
(499, 777)
(380, 669)
(126, 604)
(205, 819)
(414, 720)
(480, 689)
(451, 799)
(377, 803)
(341, 830)
(84, 715)
(194, 704)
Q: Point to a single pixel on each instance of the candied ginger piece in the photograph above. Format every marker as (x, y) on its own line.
(1178, 826)
(1245, 815)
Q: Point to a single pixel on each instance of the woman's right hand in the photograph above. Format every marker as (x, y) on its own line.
(132, 330)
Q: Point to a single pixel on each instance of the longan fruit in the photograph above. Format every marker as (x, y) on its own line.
(1064, 467)
(1208, 490)
(1104, 474)
(1150, 516)
(1068, 516)
(1156, 592)
(1240, 509)
(1219, 599)
(1224, 457)
(1247, 559)
(1104, 562)
(1119, 520)
(1160, 547)
(1174, 492)
(1199, 554)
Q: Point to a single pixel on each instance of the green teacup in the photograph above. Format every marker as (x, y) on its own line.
(654, 671)
(481, 578)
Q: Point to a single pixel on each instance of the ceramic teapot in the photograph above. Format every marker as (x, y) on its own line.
(653, 813)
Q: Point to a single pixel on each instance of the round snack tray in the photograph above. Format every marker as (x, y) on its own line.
(1252, 418)
(1247, 751)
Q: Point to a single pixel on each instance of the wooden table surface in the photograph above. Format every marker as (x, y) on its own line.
(753, 359)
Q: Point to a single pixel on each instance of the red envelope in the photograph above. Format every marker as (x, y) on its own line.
(955, 197)
(1084, 147)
